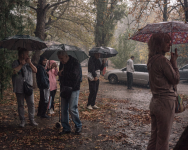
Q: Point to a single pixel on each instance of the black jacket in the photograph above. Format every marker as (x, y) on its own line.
(71, 74)
(42, 76)
(93, 65)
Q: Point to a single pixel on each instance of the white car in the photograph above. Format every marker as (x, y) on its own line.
(140, 75)
(184, 72)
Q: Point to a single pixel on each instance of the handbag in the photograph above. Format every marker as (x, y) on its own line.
(179, 106)
(27, 88)
(66, 92)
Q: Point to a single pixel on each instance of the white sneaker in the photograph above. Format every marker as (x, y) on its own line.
(51, 111)
(89, 107)
(22, 124)
(95, 107)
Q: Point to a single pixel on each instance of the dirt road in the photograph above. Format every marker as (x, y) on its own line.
(122, 122)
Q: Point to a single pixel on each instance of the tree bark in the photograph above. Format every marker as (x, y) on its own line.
(165, 17)
(40, 32)
(100, 23)
(186, 10)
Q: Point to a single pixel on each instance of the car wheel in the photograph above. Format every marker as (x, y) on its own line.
(113, 79)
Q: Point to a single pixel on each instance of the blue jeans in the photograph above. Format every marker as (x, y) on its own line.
(72, 105)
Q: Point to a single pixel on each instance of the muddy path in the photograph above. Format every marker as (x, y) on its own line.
(122, 122)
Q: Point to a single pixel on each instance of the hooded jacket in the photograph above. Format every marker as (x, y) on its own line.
(41, 75)
(52, 75)
(163, 77)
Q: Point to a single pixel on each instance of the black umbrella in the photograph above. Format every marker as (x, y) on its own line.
(105, 52)
(51, 52)
(23, 41)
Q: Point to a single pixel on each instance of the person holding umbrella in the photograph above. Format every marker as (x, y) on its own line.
(163, 77)
(94, 64)
(22, 70)
(69, 75)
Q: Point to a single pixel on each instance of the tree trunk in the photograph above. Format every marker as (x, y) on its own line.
(186, 10)
(40, 32)
(100, 23)
(165, 17)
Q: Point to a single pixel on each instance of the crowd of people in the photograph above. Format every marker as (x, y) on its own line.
(163, 78)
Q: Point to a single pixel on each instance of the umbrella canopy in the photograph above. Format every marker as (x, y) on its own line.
(51, 52)
(23, 41)
(105, 52)
(177, 30)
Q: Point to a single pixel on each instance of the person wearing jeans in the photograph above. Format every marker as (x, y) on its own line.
(71, 105)
(69, 75)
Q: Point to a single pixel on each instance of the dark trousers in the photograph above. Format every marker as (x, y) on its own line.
(42, 108)
(93, 89)
(52, 94)
(129, 80)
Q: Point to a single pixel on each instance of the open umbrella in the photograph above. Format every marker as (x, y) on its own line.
(105, 52)
(177, 30)
(51, 52)
(23, 41)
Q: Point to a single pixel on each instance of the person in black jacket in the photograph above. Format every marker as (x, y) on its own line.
(93, 65)
(69, 75)
(43, 85)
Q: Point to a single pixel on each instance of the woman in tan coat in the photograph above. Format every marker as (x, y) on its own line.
(163, 78)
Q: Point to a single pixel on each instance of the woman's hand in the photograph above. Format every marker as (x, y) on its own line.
(174, 57)
(22, 62)
(28, 60)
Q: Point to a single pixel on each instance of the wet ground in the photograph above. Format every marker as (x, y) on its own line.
(122, 122)
(137, 132)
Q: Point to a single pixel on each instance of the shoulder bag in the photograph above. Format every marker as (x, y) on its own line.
(179, 105)
(27, 88)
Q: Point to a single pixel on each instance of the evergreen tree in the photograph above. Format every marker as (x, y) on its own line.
(10, 25)
(125, 48)
(109, 12)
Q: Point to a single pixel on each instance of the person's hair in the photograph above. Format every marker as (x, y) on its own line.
(21, 51)
(132, 56)
(157, 43)
(62, 53)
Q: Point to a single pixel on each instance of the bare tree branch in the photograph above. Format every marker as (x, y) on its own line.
(78, 23)
(182, 4)
(32, 8)
(173, 7)
(52, 14)
(56, 4)
(75, 36)
(160, 7)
